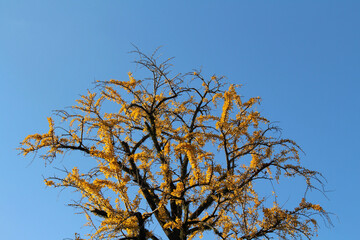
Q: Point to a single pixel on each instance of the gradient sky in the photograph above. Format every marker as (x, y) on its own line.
(301, 57)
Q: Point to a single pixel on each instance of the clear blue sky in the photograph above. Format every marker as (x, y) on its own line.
(301, 57)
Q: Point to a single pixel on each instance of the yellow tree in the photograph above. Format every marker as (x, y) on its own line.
(184, 152)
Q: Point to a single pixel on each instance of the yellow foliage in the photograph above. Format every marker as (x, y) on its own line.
(169, 154)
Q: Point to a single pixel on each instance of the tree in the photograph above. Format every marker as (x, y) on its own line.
(183, 151)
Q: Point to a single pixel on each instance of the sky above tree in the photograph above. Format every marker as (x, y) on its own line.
(302, 59)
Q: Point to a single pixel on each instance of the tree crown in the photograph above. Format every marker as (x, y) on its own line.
(182, 150)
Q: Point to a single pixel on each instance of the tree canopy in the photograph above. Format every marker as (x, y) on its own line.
(180, 151)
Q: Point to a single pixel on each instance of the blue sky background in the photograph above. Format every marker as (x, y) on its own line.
(301, 57)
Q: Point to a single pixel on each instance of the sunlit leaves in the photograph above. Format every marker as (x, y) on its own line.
(185, 151)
